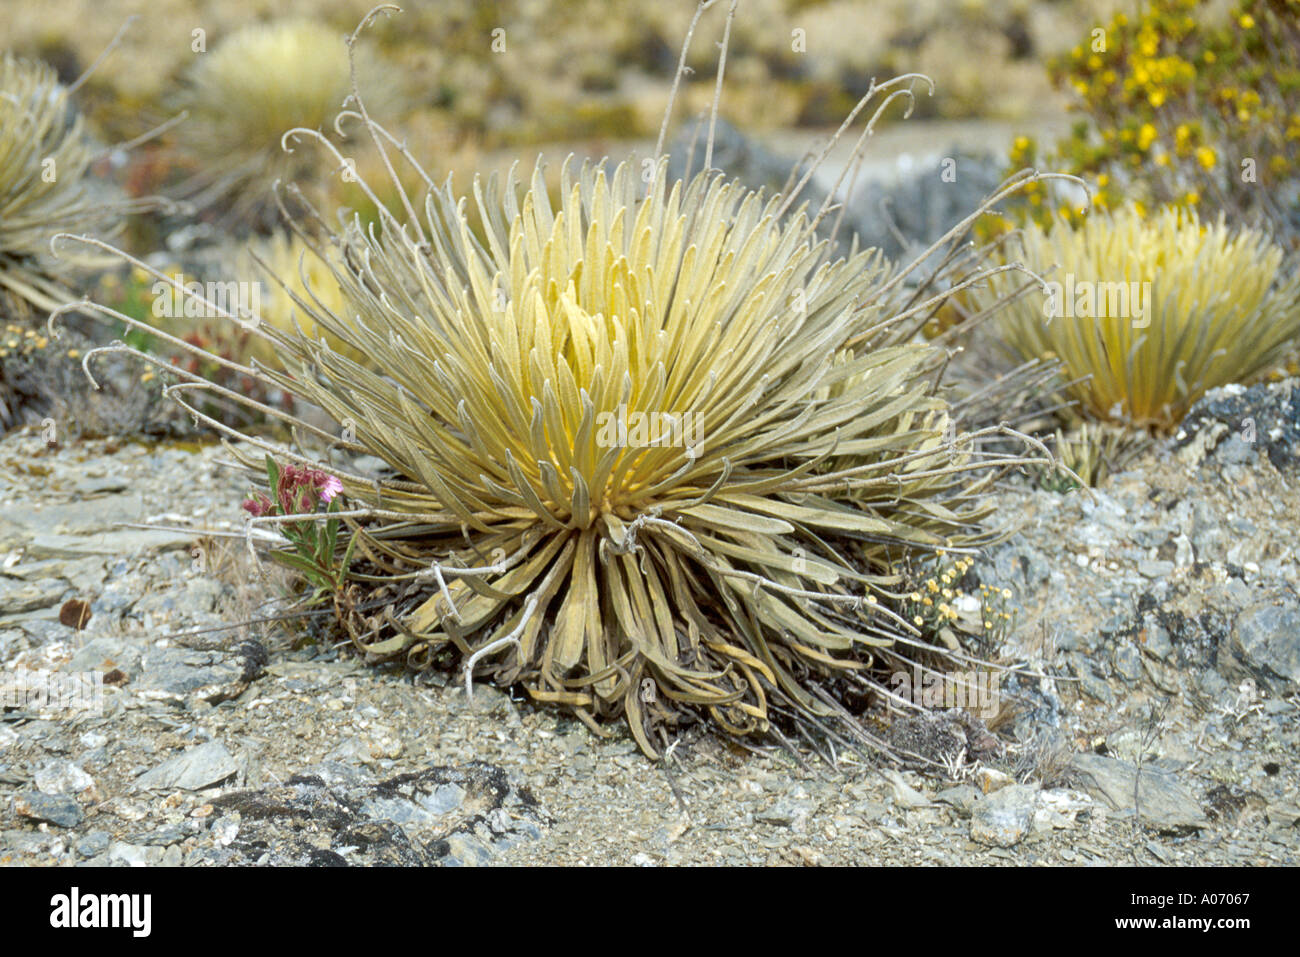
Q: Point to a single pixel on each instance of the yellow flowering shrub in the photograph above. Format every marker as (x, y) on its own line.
(1182, 107)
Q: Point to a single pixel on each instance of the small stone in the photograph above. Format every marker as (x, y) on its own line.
(1266, 639)
(466, 849)
(225, 829)
(134, 855)
(100, 486)
(444, 799)
(1154, 639)
(55, 808)
(989, 780)
(1093, 685)
(62, 777)
(786, 813)
(904, 794)
(1128, 663)
(1003, 818)
(18, 597)
(163, 837)
(1155, 569)
(192, 770)
(961, 798)
(95, 842)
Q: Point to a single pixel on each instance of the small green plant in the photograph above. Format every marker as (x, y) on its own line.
(305, 491)
(1092, 451)
(943, 602)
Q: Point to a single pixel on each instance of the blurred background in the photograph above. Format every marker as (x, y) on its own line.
(477, 82)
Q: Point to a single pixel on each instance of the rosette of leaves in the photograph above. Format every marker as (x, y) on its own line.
(45, 186)
(246, 93)
(651, 450)
(1174, 307)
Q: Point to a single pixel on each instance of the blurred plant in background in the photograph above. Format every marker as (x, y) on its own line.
(251, 89)
(46, 187)
(1149, 312)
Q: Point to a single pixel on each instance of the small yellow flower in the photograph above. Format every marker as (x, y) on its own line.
(74, 353)
(871, 599)
(1247, 21)
(147, 377)
(927, 601)
(1146, 136)
(916, 619)
(915, 596)
(1206, 157)
(1156, 98)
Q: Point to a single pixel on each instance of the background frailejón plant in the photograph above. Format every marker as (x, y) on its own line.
(246, 93)
(1148, 313)
(45, 186)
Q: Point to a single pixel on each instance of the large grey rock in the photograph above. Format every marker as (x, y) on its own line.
(1156, 794)
(106, 654)
(79, 517)
(191, 770)
(127, 541)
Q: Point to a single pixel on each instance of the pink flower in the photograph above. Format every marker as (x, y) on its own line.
(301, 489)
(258, 505)
(331, 487)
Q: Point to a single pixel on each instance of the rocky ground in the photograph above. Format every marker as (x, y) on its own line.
(1157, 642)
